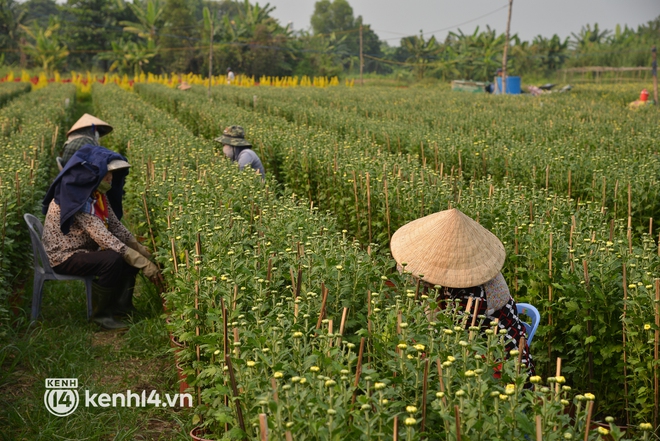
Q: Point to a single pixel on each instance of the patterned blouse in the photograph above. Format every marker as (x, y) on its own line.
(506, 314)
(87, 234)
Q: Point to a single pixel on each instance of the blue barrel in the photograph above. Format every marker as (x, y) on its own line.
(512, 85)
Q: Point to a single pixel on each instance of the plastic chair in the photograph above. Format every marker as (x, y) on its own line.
(533, 313)
(43, 271)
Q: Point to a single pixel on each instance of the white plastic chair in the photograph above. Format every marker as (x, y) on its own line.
(43, 271)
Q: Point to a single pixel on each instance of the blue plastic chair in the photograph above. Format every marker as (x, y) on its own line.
(43, 271)
(532, 313)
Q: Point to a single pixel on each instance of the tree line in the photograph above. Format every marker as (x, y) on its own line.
(165, 36)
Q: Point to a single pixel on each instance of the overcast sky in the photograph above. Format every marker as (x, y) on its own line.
(393, 19)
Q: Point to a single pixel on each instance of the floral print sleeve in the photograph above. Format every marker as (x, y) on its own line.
(99, 234)
(117, 228)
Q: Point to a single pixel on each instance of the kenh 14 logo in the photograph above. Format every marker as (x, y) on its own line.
(61, 396)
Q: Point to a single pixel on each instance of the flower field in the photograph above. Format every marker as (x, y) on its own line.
(30, 126)
(277, 295)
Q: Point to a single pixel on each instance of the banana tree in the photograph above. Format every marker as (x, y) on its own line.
(128, 56)
(148, 14)
(422, 52)
(44, 45)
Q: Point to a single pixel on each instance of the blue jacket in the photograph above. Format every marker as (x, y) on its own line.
(81, 175)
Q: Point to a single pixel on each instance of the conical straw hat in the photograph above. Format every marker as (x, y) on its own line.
(449, 249)
(184, 86)
(88, 120)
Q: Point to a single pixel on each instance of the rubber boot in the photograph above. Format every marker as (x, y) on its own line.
(102, 297)
(123, 306)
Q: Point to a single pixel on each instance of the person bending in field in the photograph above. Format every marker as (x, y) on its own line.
(236, 148)
(453, 251)
(86, 131)
(83, 235)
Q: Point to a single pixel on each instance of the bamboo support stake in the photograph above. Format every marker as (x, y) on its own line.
(197, 349)
(234, 388)
(53, 143)
(590, 408)
(569, 183)
(457, 417)
(324, 292)
(176, 267)
(602, 208)
(547, 177)
(616, 190)
(625, 354)
(557, 374)
(539, 428)
(655, 354)
(357, 210)
(589, 323)
(395, 429)
(425, 392)
(273, 385)
(369, 205)
(146, 213)
(358, 370)
(288, 435)
(369, 312)
(629, 219)
(474, 317)
(329, 333)
(387, 210)
(342, 324)
(263, 425)
(441, 380)
(225, 327)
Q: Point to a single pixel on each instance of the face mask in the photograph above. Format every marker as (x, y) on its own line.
(104, 186)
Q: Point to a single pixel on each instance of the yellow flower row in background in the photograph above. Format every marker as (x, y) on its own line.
(84, 81)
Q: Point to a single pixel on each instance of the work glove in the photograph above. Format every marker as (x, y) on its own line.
(137, 246)
(137, 260)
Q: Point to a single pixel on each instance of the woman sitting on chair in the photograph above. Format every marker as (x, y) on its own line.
(83, 234)
(453, 251)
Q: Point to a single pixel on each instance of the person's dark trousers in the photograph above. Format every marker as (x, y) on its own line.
(109, 266)
(114, 276)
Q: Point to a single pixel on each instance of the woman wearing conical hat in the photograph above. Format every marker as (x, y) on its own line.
(86, 131)
(453, 251)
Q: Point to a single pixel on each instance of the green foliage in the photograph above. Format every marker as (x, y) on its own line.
(26, 166)
(231, 248)
(334, 139)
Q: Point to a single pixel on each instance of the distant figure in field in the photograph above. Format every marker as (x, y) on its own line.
(236, 148)
(642, 101)
(86, 131)
(230, 76)
(184, 86)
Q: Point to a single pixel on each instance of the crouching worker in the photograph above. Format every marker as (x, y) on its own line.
(86, 131)
(239, 150)
(454, 251)
(83, 235)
